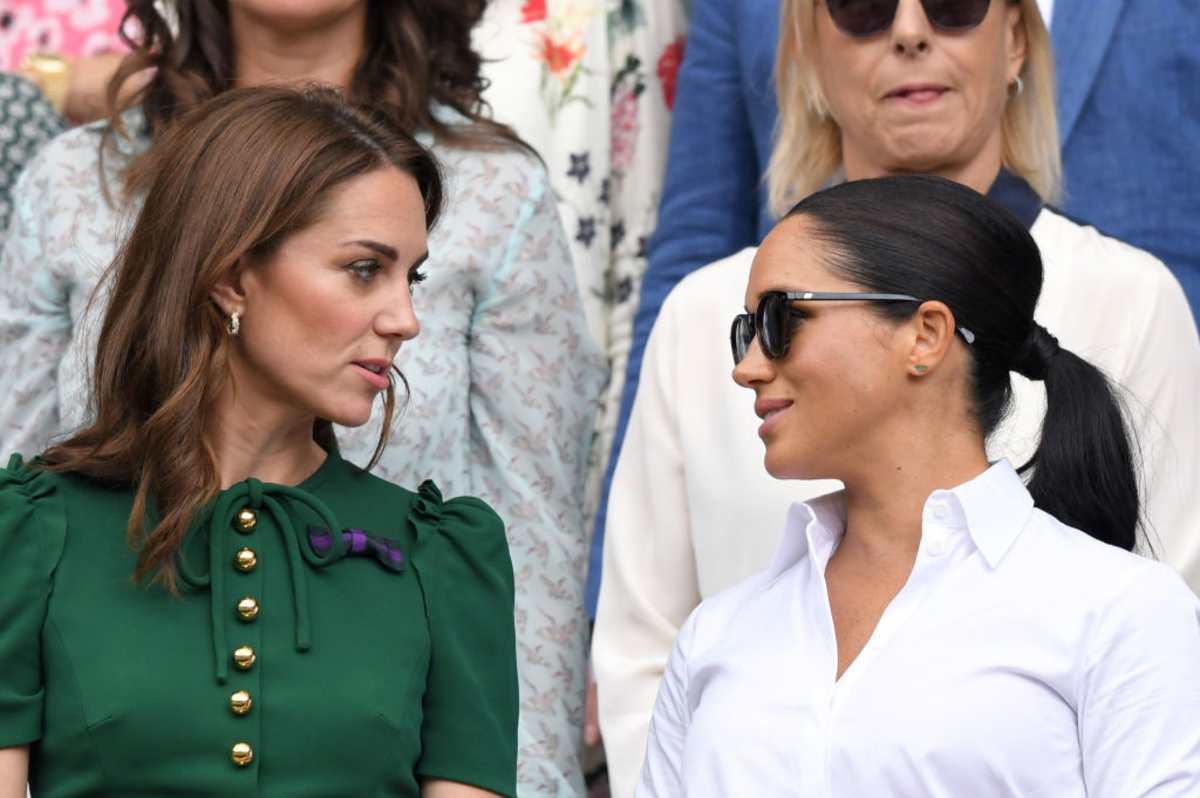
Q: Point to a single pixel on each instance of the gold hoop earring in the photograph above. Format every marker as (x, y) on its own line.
(235, 323)
(1020, 87)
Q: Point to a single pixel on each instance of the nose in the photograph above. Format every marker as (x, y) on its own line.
(911, 31)
(397, 318)
(755, 369)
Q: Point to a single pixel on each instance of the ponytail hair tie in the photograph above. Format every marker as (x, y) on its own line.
(1033, 358)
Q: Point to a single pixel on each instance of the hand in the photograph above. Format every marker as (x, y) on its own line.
(90, 75)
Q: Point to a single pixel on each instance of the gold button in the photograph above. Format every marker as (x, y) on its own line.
(247, 608)
(240, 702)
(245, 559)
(246, 520)
(243, 657)
(242, 754)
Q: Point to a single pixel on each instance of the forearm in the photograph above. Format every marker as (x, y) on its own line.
(14, 771)
(440, 788)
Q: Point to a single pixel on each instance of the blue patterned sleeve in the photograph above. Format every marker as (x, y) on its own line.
(535, 380)
(35, 320)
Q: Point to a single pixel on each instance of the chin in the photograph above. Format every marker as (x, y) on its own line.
(793, 465)
(920, 159)
(349, 415)
(778, 466)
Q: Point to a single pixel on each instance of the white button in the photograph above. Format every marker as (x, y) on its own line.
(939, 512)
(936, 546)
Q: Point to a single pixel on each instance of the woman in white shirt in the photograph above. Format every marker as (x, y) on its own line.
(935, 628)
(691, 510)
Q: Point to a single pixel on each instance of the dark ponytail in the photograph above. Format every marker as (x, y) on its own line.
(1083, 434)
(935, 239)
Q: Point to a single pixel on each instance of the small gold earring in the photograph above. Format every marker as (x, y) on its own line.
(235, 323)
(920, 368)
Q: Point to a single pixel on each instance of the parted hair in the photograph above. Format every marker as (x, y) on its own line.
(223, 186)
(417, 54)
(807, 151)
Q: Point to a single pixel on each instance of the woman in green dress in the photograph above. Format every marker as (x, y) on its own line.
(199, 596)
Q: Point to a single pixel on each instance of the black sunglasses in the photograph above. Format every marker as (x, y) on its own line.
(868, 17)
(774, 320)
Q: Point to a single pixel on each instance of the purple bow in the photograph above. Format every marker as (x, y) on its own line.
(359, 543)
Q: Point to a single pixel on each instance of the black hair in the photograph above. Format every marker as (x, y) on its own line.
(936, 239)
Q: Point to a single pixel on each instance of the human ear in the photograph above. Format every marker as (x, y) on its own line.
(932, 333)
(229, 294)
(1016, 43)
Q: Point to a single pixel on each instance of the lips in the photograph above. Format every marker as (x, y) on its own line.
(765, 408)
(770, 410)
(374, 370)
(918, 93)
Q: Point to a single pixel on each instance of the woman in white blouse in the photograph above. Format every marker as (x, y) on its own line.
(691, 510)
(937, 627)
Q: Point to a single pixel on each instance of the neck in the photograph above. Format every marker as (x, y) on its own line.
(253, 439)
(325, 51)
(886, 495)
(978, 172)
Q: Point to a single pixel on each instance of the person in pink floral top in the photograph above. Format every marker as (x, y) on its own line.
(70, 28)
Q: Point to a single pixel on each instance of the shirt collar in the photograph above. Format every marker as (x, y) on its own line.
(812, 526)
(1016, 196)
(993, 507)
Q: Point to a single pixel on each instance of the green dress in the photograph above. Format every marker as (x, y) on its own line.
(344, 637)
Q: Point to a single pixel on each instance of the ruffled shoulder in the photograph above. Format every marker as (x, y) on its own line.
(465, 528)
(32, 534)
(469, 731)
(31, 512)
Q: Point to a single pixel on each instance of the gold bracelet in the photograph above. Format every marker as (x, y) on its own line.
(52, 73)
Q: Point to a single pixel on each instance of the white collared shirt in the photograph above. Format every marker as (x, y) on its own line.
(1021, 658)
(685, 524)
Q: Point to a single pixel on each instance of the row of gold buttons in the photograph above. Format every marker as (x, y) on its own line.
(245, 560)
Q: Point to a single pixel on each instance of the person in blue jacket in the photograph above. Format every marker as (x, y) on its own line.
(1129, 119)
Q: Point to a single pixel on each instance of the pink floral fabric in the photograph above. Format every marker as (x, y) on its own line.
(67, 27)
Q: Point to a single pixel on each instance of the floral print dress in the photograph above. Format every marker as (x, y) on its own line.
(505, 385)
(591, 84)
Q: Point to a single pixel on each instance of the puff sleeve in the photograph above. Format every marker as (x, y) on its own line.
(469, 729)
(32, 531)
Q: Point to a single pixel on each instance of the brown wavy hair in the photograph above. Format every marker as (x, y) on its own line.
(417, 53)
(224, 184)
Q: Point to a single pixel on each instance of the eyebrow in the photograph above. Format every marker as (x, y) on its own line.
(382, 249)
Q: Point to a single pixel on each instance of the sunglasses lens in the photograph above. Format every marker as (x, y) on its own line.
(862, 17)
(772, 321)
(740, 336)
(955, 14)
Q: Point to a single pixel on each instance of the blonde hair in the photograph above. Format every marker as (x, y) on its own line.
(808, 147)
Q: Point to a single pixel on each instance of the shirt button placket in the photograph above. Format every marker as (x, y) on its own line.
(242, 690)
